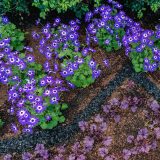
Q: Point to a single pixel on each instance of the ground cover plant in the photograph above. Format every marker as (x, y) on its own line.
(63, 44)
(115, 30)
(56, 74)
(107, 30)
(143, 49)
(28, 95)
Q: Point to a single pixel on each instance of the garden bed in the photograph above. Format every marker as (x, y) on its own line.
(85, 89)
(129, 124)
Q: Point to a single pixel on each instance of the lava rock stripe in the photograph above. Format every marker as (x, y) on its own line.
(142, 80)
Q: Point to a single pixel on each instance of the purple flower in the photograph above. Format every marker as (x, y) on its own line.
(124, 104)
(102, 152)
(126, 154)
(72, 157)
(33, 120)
(157, 132)
(44, 154)
(30, 58)
(155, 106)
(39, 148)
(5, 20)
(27, 156)
(54, 100)
(98, 118)
(93, 128)
(107, 141)
(96, 73)
(134, 108)
(145, 148)
(130, 139)
(103, 127)
(75, 147)
(109, 158)
(106, 108)
(114, 101)
(81, 157)
(117, 118)
(88, 143)
(40, 108)
(142, 134)
(107, 41)
(7, 157)
(71, 84)
(61, 149)
(64, 73)
(27, 130)
(83, 125)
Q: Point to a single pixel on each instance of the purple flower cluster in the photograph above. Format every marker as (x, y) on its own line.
(109, 20)
(57, 36)
(33, 87)
(28, 91)
(108, 31)
(142, 41)
(61, 42)
(39, 152)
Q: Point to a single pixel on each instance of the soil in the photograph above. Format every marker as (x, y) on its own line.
(129, 125)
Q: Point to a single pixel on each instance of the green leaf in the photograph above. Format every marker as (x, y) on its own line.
(61, 119)
(64, 106)
(22, 55)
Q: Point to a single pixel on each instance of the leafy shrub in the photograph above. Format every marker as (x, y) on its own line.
(80, 7)
(9, 30)
(140, 6)
(47, 5)
(108, 30)
(13, 6)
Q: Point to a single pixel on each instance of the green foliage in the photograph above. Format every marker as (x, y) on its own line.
(83, 76)
(13, 6)
(80, 9)
(138, 59)
(103, 35)
(1, 123)
(39, 73)
(9, 30)
(140, 6)
(54, 111)
(48, 5)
